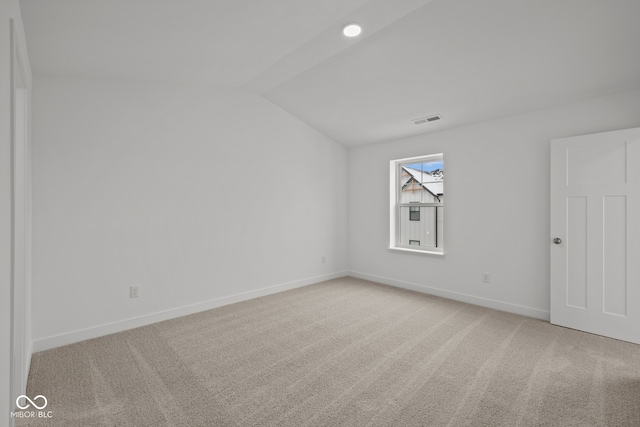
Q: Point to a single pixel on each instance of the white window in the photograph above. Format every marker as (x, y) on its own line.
(414, 213)
(417, 204)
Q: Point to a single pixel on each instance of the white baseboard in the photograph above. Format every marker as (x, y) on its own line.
(457, 296)
(123, 325)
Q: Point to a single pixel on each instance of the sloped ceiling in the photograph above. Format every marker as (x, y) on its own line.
(468, 60)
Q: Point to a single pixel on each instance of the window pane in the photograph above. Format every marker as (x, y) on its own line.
(423, 231)
(422, 182)
(414, 213)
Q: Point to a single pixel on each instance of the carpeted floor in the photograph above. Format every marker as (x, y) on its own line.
(342, 353)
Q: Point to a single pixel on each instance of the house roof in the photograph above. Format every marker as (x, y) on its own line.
(433, 183)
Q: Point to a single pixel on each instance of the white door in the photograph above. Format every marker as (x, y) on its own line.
(595, 233)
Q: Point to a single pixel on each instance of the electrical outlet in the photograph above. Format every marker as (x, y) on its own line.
(134, 291)
(486, 278)
(324, 259)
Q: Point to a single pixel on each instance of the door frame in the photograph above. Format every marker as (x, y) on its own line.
(20, 221)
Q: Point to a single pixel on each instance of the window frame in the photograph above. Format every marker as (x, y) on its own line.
(396, 205)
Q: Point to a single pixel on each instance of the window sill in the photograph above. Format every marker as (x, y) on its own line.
(416, 251)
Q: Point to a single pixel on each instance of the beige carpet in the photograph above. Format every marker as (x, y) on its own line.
(342, 353)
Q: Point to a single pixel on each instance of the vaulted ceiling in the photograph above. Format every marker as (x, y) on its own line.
(467, 60)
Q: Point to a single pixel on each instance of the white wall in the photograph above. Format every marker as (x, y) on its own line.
(11, 10)
(497, 205)
(138, 184)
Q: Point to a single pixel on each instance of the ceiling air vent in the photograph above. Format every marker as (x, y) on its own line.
(422, 120)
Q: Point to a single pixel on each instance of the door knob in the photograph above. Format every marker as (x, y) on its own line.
(557, 240)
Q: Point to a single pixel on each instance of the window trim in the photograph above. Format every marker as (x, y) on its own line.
(395, 205)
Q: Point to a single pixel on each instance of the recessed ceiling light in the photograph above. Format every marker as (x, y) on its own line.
(352, 30)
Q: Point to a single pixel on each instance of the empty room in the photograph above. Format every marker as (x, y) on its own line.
(320, 213)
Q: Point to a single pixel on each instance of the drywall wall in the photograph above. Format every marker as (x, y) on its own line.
(200, 196)
(12, 37)
(497, 205)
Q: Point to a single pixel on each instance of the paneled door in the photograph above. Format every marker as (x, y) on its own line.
(595, 233)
